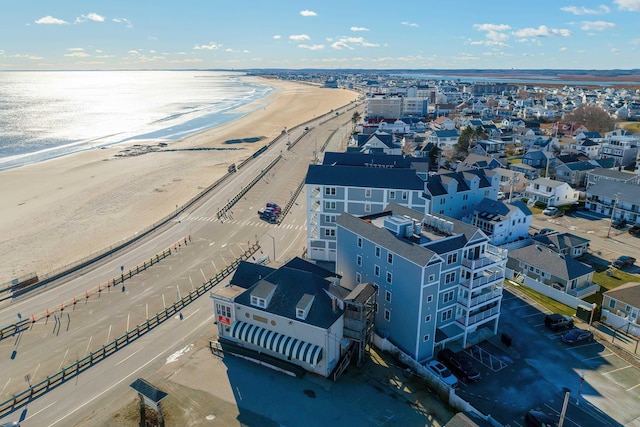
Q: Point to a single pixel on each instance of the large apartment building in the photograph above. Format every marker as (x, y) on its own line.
(363, 184)
(439, 280)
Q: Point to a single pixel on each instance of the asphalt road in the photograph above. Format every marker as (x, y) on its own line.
(68, 335)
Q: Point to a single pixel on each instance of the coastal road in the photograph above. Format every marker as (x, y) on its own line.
(58, 341)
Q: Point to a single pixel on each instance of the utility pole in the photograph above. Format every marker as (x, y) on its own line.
(613, 210)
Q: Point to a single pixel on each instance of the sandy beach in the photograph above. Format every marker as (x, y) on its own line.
(57, 212)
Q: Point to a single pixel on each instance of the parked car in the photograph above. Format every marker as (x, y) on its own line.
(556, 322)
(550, 211)
(624, 261)
(460, 364)
(547, 231)
(539, 419)
(273, 205)
(501, 195)
(443, 373)
(577, 336)
(635, 230)
(619, 223)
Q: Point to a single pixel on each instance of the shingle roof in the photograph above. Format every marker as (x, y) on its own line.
(628, 293)
(560, 241)
(613, 173)
(580, 166)
(607, 189)
(548, 182)
(446, 133)
(366, 177)
(291, 283)
(436, 183)
(551, 262)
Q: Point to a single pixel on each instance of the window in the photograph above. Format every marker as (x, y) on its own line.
(405, 195)
(425, 338)
(223, 310)
(359, 242)
(465, 197)
(450, 277)
(330, 205)
(387, 296)
(448, 296)
(387, 315)
(376, 270)
(392, 194)
(260, 302)
(432, 277)
(390, 258)
(329, 232)
(442, 201)
(389, 277)
(378, 251)
(367, 207)
(612, 303)
(427, 318)
(358, 278)
(359, 260)
(446, 315)
(486, 193)
(452, 258)
(429, 298)
(367, 192)
(330, 219)
(330, 191)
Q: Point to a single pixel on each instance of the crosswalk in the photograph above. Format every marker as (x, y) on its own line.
(245, 223)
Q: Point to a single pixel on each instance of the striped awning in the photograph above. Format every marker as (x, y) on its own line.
(287, 346)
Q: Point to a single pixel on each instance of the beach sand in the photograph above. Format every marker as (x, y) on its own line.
(57, 212)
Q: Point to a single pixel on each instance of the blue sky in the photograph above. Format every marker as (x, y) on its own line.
(133, 34)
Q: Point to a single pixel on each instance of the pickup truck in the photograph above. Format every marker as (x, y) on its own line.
(624, 261)
(635, 230)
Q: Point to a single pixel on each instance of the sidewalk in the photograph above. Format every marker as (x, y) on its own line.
(618, 341)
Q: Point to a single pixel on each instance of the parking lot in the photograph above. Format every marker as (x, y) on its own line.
(531, 374)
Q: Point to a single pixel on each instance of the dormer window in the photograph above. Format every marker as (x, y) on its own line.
(258, 302)
(303, 306)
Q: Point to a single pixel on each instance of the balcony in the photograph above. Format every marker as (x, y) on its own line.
(492, 256)
(477, 318)
(315, 192)
(483, 298)
(483, 280)
(315, 205)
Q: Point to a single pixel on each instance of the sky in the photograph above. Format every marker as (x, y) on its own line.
(327, 34)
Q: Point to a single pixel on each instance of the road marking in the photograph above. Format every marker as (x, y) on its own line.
(5, 386)
(87, 350)
(631, 388)
(127, 358)
(616, 370)
(43, 409)
(531, 315)
(598, 355)
(125, 378)
(64, 357)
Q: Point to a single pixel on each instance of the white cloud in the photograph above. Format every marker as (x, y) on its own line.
(75, 49)
(615, 50)
(228, 49)
(245, 51)
(90, 62)
(123, 21)
(308, 13)
(562, 49)
(133, 52)
(597, 25)
(187, 60)
(542, 31)
(359, 29)
(299, 37)
(51, 20)
(635, 41)
(349, 42)
(410, 24)
(77, 54)
(580, 10)
(632, 5)
(210, 46)
(152, 38)
(22, 56)
(90, 17)
(494, 34)
(277, 37)
(311, 47)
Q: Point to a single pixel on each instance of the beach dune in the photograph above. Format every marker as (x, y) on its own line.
(59, 211)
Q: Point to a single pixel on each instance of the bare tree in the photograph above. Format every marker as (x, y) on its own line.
(592, 117)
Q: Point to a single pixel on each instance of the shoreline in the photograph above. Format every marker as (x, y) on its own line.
(60, 210)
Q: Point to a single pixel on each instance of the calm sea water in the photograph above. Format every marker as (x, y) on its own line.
(50, 114)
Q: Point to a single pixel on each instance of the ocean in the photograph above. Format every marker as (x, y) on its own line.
(49, 114)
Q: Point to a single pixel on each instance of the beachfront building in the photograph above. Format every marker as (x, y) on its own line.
(551, 192)
(384, 107)
(622, 198)
(623, 149)
(296, 318)
(439, 280)
(358, 184)
(501, 222)
(611, 175)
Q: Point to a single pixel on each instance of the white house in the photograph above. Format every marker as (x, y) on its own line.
(551, 192)
(501, 222)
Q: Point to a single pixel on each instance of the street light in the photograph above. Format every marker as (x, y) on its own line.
(273, 239)
(593, 309)
(613, 211)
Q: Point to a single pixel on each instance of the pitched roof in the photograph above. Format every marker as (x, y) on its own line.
(436, 183)
(628, 293)
(446, 133)
(289, 284)
(364, 160)
(608, 189)
(500, 209)
(365, 177)
(580, 166)
(548, 182)
(560, 241)
(551, 262)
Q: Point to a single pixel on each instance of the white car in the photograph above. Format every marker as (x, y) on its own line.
(443, 373)
(550, 211)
